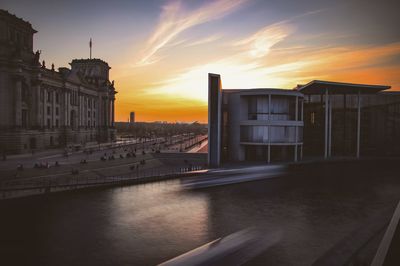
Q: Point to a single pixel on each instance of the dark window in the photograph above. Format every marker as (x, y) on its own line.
(56, 122)
(48, 110)
(48, 96)
(56, 110)
(48, 122)
(57, 98)
(88, 113)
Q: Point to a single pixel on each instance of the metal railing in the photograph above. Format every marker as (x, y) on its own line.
(82, 180)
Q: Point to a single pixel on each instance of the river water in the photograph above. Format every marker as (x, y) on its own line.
(150, 223)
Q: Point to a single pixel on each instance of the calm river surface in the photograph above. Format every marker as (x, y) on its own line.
(150, 223)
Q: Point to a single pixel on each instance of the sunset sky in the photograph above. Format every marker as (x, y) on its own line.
(161, 51)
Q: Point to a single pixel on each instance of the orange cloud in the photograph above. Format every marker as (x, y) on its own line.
(261, 59)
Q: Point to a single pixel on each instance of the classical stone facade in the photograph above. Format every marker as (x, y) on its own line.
(43, 108)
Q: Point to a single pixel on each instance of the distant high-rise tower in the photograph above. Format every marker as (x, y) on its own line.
(132, 117)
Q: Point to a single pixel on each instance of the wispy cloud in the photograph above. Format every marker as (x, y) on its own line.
(209, 39)
(260, 43)
(174, 19)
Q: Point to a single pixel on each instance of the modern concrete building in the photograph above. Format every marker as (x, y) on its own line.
(266, 125)
(42, 108)
(345, 119)
(132, 117)
(254, 124)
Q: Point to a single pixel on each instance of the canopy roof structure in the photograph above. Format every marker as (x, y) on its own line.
(320, 87)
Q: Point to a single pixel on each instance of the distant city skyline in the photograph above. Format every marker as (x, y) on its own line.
(161, 51)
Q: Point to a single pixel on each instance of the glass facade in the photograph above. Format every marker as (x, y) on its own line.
(282, 107)
(270, 134)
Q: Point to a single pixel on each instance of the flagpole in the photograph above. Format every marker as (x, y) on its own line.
(90, 46)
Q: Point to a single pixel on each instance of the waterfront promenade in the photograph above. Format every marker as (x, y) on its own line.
(107, 164)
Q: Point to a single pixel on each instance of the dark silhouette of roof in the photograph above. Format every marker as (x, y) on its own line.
(320, 86)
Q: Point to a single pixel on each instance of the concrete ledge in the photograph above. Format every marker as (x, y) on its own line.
(388, 251)
(31, 191)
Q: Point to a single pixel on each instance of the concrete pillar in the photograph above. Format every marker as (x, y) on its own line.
(326, 123)
(330, 129)
(296, 128)
(302, 110)
(358, 124)
(269, 129)
(214, 119)
(269, 107)
(301, 152)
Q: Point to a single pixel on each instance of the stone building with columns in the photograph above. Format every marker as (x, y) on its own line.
(43, 108)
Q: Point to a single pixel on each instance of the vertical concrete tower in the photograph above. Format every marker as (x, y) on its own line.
(214, 120)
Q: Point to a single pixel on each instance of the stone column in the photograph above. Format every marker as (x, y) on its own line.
(66, 122)
(79, 115)
(53, 109)
(113, 112)
(106, 109)
(99, 112)
(17, 101)
(37, 105)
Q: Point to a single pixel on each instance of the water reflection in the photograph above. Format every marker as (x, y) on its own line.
(158, 215)
(151, 223)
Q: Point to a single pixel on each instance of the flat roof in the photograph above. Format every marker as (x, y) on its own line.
(263, 91)
(319, 87)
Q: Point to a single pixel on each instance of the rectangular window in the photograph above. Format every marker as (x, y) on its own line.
(48, 122)
(48, 110)
(48, 96)
(57, 123)
(88, 113)
(57, 98)
(56, 110)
